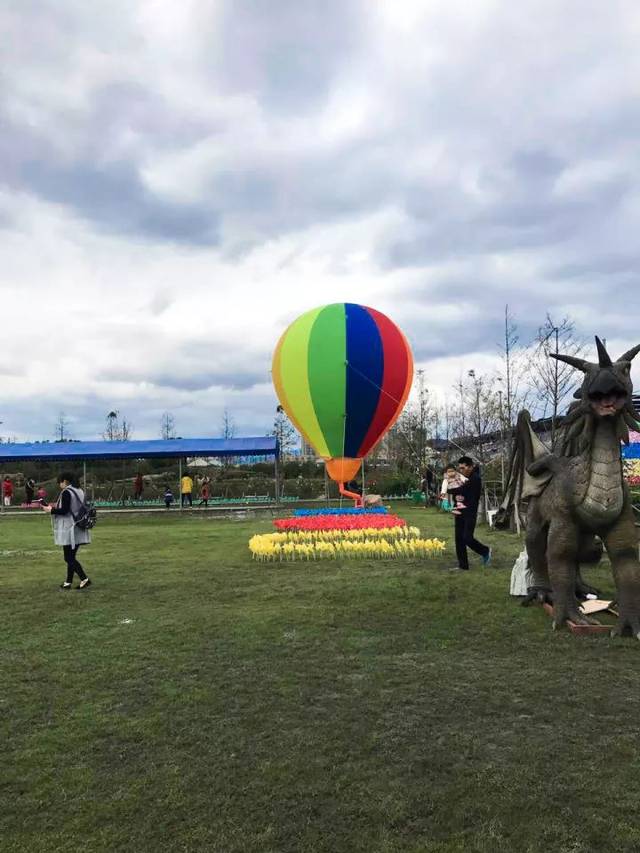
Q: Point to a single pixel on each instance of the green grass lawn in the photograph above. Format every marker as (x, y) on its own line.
(192, 700)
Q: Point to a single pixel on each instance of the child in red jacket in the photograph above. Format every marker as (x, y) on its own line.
(7, 491)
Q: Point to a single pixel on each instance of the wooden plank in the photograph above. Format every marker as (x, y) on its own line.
(581, 629)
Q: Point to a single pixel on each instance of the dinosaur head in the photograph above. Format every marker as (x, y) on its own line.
(606, 389)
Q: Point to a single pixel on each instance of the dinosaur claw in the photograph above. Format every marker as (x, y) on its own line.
(627, 626)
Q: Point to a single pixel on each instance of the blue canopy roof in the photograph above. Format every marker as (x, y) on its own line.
(171, 449)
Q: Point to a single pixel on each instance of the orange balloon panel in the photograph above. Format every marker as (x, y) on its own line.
(342, 470)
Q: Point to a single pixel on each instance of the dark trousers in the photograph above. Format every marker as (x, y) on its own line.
(72, 563)
(186, 498)
(465, 528)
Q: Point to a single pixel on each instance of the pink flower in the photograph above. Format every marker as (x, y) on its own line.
(340, 522)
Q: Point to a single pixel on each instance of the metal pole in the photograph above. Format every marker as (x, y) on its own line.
(501, 441)
(555, 395)
(180, 480)
(364, 490)
(276, 477)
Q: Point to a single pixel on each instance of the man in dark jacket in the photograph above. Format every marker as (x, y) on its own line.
(465, 522)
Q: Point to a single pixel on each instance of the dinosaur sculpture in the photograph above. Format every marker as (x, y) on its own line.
(580, 494)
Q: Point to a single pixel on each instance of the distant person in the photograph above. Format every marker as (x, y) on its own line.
(41, 495)
(168, 497)
(7, 491)
(29, 490)
(465, 521)
(427, 485)
(65, 531)
(138, 487)
(186, 490)
(205, 493)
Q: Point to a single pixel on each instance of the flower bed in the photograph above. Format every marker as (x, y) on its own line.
(340, 522)
(397, 532)
(303, 513)
(389, 544)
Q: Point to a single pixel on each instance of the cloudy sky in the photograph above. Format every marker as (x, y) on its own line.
(179, 180)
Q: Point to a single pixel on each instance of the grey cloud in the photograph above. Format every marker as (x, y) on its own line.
(198, 366)
(227, 379)
(110, 194)
(290, 56)
(33, 419)
(478, 152)
(285, 52)
(609, 266)
(520, 212)
(160, 302)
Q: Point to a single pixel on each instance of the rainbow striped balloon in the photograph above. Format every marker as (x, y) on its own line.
(343, 373)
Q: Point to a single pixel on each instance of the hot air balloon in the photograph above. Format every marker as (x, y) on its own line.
(343, 373)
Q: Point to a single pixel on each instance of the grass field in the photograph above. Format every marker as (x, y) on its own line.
(192, 700)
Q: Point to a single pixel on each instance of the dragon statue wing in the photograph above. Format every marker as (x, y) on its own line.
(530, 469)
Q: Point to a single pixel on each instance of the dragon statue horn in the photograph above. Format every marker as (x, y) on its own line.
(604, 359)
(630, 354)
(578, 363)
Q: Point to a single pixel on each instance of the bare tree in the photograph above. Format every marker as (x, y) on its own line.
(126, 429)
(167, 426)
(117, 428)
(554, 380)
(447, 420)
(397, 443)
(459, 420)
(62, 428)
(228, 429)
(514, 389)
(112, 426)
(510, 342)
(285, 432)
(408, 441)
(482, 405)
(228, 426)
(514, 356)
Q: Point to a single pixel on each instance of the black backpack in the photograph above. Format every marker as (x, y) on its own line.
(87, 515)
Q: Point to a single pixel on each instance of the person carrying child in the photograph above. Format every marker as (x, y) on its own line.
(467, 501)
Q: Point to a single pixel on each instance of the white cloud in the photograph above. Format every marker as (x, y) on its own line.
(179, 181)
